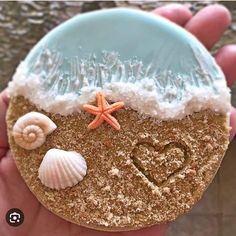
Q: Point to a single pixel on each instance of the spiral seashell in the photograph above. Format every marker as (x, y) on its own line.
(60, 169)
(31, 129)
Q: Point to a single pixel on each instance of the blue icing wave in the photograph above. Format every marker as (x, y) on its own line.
(90, 72)
(105, 49)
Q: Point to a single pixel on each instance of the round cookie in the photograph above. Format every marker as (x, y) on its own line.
(118, 120)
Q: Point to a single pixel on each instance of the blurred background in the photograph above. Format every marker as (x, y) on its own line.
(23, 23)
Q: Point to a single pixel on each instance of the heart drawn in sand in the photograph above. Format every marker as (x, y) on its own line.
(160, 163)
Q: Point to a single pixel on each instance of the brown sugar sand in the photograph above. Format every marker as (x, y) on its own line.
(147, 173)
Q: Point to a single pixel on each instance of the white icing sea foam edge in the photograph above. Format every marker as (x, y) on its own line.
(141, 97)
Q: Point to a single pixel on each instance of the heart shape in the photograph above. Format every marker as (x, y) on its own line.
(160, 163)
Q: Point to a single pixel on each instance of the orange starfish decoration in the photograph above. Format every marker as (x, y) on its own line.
(103, 112)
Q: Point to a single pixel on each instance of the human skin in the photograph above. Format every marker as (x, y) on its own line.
(208, 25)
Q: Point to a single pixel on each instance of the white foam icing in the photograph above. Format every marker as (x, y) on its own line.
(142, 96)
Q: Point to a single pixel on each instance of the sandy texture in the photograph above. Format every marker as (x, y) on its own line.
(146, 173)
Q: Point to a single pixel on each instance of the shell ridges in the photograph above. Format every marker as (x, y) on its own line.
(61, 169)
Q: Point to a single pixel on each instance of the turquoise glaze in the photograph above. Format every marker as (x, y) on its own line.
(146, 46)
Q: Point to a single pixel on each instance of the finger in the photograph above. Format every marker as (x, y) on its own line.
(232, 123)
(4, 99)
(209, 24)
(3, 151)
(226, 59)
(177, 13)
(15, 193)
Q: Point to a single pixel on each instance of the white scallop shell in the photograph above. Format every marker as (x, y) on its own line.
(31, 129)
(60, 169)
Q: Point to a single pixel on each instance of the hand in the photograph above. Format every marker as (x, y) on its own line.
(207, 25)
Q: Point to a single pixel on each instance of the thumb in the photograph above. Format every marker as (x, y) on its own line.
(4, 100)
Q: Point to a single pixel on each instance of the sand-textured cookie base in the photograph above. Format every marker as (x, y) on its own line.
(146, 173)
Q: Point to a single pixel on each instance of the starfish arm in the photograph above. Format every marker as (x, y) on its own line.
(91, 109)
(114, 107)
(101, 101)
(112, 121)
(103, 112)
(96, 122)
